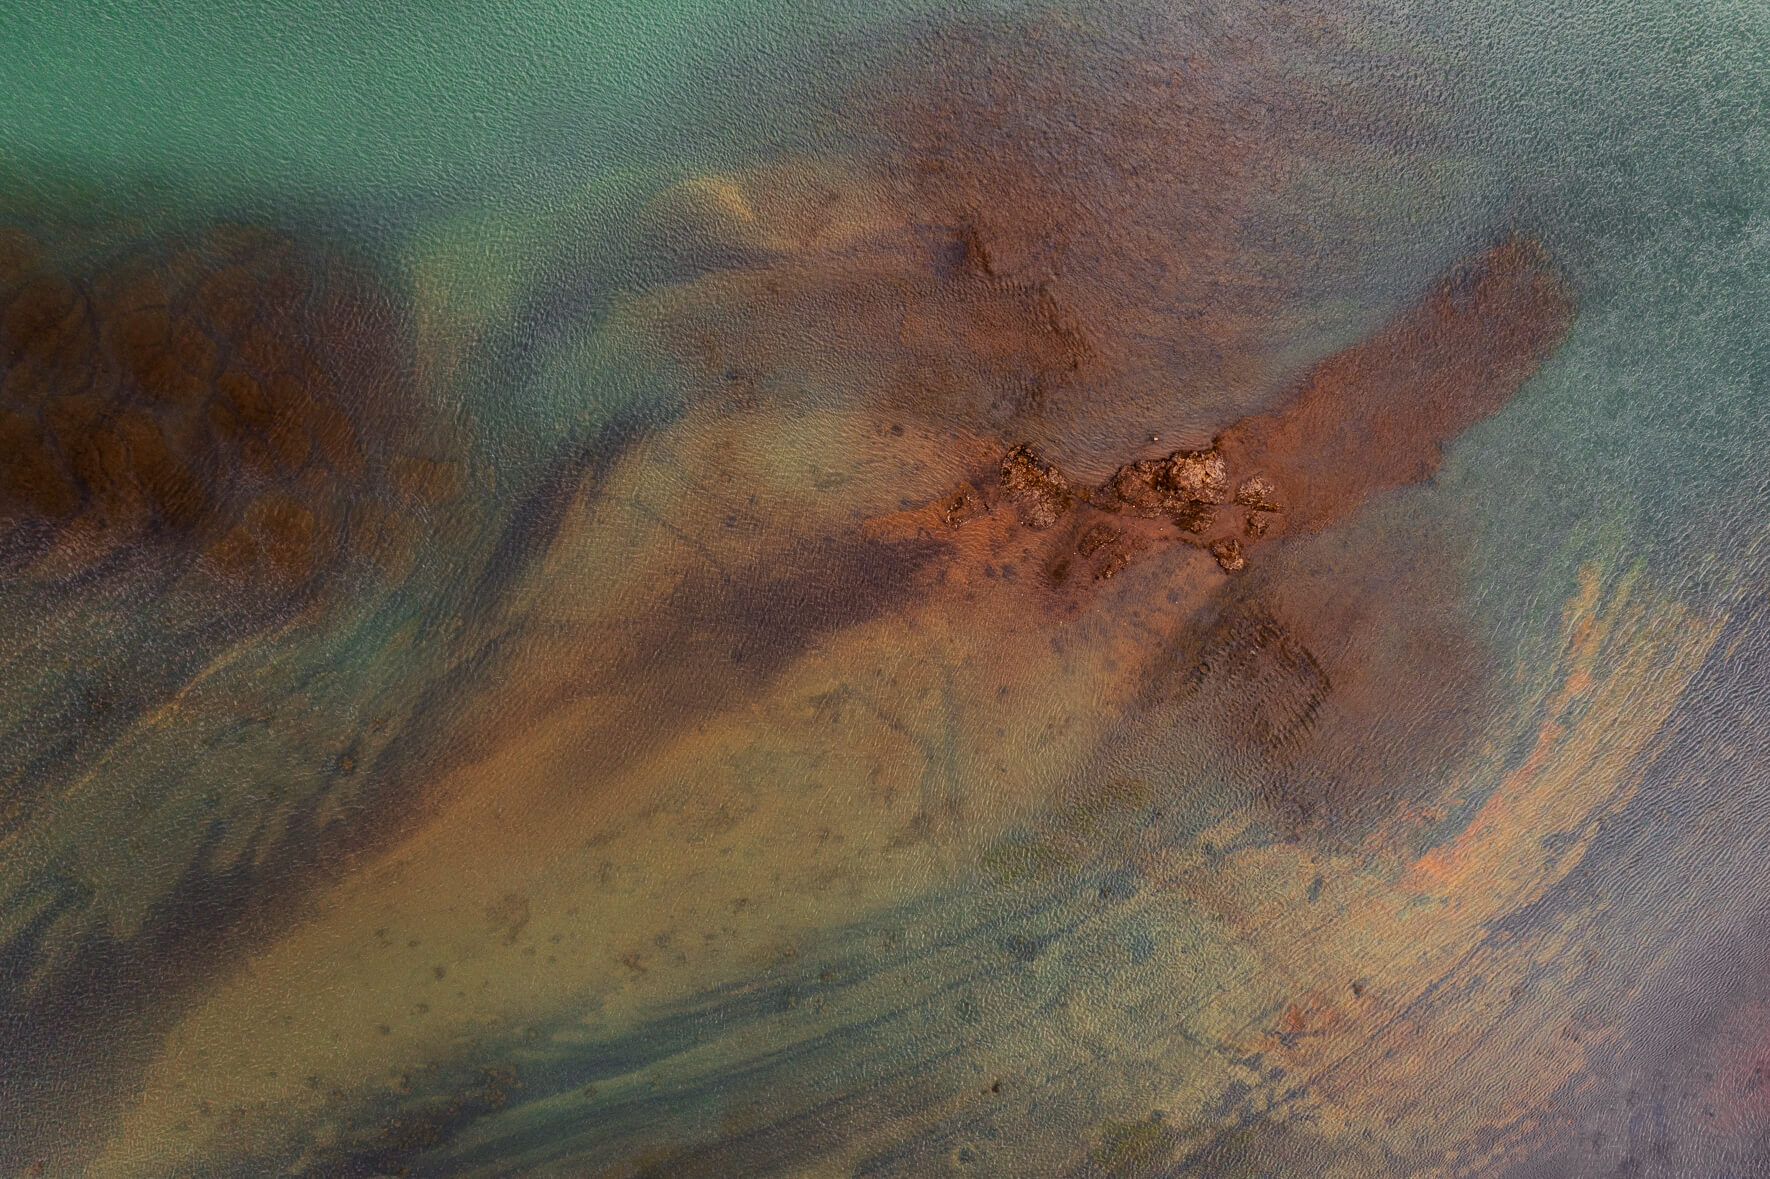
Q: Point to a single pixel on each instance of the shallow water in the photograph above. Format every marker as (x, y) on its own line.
(523, 654)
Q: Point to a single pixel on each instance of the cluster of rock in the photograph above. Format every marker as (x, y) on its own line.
(1036, 488)
(1190, 488)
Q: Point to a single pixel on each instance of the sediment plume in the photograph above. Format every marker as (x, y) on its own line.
(1371, 418)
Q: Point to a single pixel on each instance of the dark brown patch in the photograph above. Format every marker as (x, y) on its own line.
(235, 393)
(1247, 674)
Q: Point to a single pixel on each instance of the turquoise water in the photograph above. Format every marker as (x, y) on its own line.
(395, 100)
(402, 103)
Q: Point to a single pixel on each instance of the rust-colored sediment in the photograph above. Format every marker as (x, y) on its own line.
(233, 393)
(1370, 418)
(1322, 672)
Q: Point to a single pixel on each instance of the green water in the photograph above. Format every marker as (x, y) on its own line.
(399, 102)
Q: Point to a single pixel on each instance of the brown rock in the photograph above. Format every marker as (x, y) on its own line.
(963, 506)
(1228, 554)
(1037, 489)
(1172, 486)
(1136, 486)
(1200, 476)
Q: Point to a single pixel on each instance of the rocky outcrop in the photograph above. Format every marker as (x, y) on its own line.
(1371, 417)
(1036, 488)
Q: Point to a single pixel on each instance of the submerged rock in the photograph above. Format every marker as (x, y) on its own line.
(1113, 548)
(1228, 554)
(963, 505)
(1197, 518)
(1257, 491)
(235, 394)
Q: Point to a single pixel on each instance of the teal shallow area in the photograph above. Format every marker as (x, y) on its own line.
(345, 99)
(403, 103)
